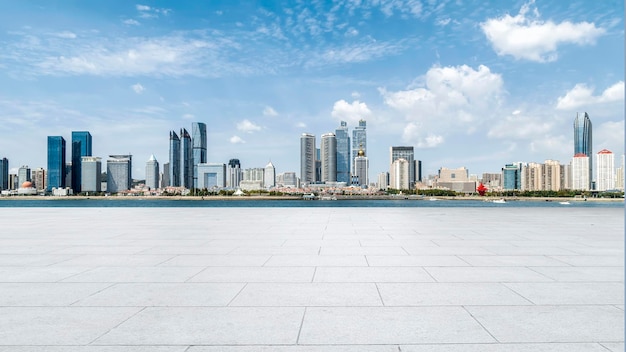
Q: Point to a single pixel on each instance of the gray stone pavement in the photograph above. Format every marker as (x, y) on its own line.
(311, 279)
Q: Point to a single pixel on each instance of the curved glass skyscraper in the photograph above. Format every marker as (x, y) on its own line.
(199, 146)
(582, 139)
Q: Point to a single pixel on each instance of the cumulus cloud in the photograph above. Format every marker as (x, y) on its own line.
(146, 11)
(519, 126)
(247, 126)
(581, 95)
(609, 135)
(138, 88)
(351, 113)
(66, 35)
(236, 140)
(269, 111)
(131, 22)
(525, 36)
(450, 100)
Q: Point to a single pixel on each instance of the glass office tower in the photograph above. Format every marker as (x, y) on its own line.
(186, 160)
(81, 146)
(359, 140)
(199, 146)
(583, 140)
(56, 162)
(174, 169)
(4, 174)
(343, 153)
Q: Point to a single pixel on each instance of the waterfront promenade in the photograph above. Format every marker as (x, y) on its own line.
(312, 279)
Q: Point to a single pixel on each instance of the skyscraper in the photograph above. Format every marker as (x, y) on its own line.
(307, 158)
(580, 172)
(152, 173)
(343, 153)
(406, 153)
(186, 159)
(81, 146)
(4, 174)
(119, 177)
(605, 170)
(91, 168)
(512, 176)
(199, 142)
(23, 174)
(329, 158)
(234, 175)
(583, 140)
(269, 178)
(56, 162)
(174, 170)
(361, 169)
(399, 174)
(359, 140)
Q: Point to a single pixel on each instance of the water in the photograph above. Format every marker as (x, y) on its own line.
(273, 203)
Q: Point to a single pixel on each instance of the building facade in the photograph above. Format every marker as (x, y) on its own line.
(359, 140)
(199, 148)
(56, 162)
(361, 167)
(605, 170)
(186, 159)
(328, 152)
(269, 177)
(23, 174)
(91, 168)
(174, 169)
(38, 177)
(408, 154)
(512, 177)
(399, 174)
(152, 173)
(4, 174)
(580, 172)
(211, 176)
(583, 140)
(234, 175)
(307, 158)
(119, 173)
(343, 153)
(81, 146)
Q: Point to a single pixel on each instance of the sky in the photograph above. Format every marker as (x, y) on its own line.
(475, 84)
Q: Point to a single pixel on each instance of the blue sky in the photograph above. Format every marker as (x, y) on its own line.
(467, 83)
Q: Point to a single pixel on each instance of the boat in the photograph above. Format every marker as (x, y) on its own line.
(308, 196)
(565, 203)
(432, 199)
(499, 201)
(328, 198)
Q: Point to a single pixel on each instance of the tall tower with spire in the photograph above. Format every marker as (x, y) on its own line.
(361, 165)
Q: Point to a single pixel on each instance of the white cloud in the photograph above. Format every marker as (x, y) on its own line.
(525, 36)
(236, 140)
(518, 126)
(66, 35)
(269, 111)
(189, 116)
(142, 7)
(146, 11)
(609, 135)
(351, 113)
(247, 126)
(301, 125)
(413, 134)
(131, 22)
(581, 95)
(443, 22)
(138, 88)
(355, 95)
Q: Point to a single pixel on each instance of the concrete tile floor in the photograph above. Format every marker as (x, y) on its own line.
(311, 279)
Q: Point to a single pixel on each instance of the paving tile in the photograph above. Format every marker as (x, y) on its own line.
(512, 260)
(216, 260)
(255, 274)
(94, 349)
(115, 260)
(211, 326)
(42, 325)
(507, 347)
(390, 325)
(385, 250)
(592, 260)
(164, 294)
(21, 260)
(558, 293)
(45, 294)
(485, 274)
(308, 295)
(39, 274)
(455, 294)
(102, 249)
(514, 250)
(582, 274)
(284, 250)
(551, 323)
(613, 346)
(177, 249)
(136, 274)
(435, 250)
(316, 260)
(371, 274)
(424, 260)
(299, 348)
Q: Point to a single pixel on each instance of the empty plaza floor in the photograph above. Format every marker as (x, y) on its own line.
(312, 279)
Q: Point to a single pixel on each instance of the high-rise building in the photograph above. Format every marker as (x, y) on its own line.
(399, 174)
(211, 176)
(512, 176)
(289, 179)
(81, 146)
(359, 140)
(269, 176)
(23, 174)
(580, 172)
(605, 167)
(583, 140)
(174, 169)
(234, 175)
(152, 173)
(361, 166)
(4, 174)
(165, 178)
(383, 180)
(56, 162)
(343, 153)
(328, 152)
(38, 177)
(199, 142)
(408, 154)
(307, 158)
(90, 169)
(186, 159)
(119, 176)
(418, 170)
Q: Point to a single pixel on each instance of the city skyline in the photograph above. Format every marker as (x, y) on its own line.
(448, 79)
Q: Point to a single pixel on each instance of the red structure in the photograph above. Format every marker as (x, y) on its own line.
(481, 189)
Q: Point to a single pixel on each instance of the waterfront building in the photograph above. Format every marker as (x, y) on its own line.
(119, 173)
(605, 170)
(307, 158)
(512, 176)
(552, 177)
(165, 176)
(458, 180)
(288, 179)
(234, 174)
(399, 174)
(531, 177)
(318, 166)
(13, 184)
(186, 159)
(329, 158)
(383, 180)
(38, 177)
(90, 169)
(407, 153)
(492, 181)
(81, 146)
(580, 172)
(4, 174)
(152, 173)
(56, 162)
(361, 178)
(417, 170)
(23, 174)
(211, 176)
(583, 140)
(343, 153)
(256, 174)
(566, 176)
(199, 148)
(269, 178)
(174, 164)
(359, 140)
